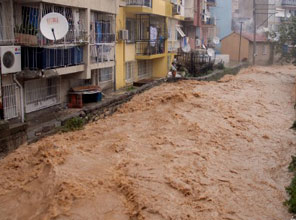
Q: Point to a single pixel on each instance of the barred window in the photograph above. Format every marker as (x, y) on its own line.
(131, 27)
(145, 68)
(129, 71)
(106, 74)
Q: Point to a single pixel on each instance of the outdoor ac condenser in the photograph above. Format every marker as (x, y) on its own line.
(123, 35)
(10, 59)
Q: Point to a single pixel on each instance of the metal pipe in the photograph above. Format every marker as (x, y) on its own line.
(255, 31)
(22, 98)
(240, 42)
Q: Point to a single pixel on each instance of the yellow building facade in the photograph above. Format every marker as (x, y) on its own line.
(147, 39)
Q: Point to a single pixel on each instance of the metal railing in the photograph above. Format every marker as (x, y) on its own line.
(10, 101)
(289, 3)
(102, 38)
(210, 21)
(213, 2)
(146, 3)
(35, 58)
(27, 25)
(41, 93)
(6, 35)
(102, 52)
(150, 47)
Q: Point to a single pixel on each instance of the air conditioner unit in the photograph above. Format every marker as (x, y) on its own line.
(10, 59)
(177, 10)
(123, 35)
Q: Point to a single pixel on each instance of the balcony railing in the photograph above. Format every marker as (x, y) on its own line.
(6, 35)
(210, 21)
(289, 3)
(211, 2)
(149, 48)
(102, 52)
(142, 3)
(36, 58)
(27, 25)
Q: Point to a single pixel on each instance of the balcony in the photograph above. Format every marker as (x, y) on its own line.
(209, 21)
(102, 38)
(289, 3)
(27, 26)
(139, 3)
(211, 3)
(40, 58)
(147, 50)
(139, 6)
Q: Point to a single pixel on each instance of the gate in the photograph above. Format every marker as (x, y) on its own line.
(41, 94)
(10, 101)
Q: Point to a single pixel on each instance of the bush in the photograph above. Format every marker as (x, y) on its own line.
(294, 126)
(73, 124)
(220, 66)
(291, 190)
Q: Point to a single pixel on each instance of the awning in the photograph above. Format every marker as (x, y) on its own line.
(178, 28)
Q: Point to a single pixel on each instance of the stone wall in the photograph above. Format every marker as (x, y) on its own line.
(11, 137)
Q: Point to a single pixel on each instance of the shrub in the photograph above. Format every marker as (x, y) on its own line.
(73, 124)
(291, 189)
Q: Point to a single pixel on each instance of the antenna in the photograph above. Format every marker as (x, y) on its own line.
(54, 26)
(216, 40)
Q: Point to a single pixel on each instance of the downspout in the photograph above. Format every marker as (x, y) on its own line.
(116, 11)
(22, 98)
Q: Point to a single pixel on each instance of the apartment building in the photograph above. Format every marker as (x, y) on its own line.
(46, 70)
(148, 39)
(200, 24)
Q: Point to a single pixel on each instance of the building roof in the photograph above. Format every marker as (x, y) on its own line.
(250, 37)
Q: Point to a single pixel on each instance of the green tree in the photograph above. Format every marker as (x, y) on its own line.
(286, 45)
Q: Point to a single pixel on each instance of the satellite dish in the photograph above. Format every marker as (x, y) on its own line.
(185, 45)
(54, 26)
(211, 52)
(216, 40)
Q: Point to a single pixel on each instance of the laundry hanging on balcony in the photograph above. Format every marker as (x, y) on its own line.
(153, 36)
(185, 45)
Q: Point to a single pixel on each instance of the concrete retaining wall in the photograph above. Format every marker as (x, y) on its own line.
(11, 137)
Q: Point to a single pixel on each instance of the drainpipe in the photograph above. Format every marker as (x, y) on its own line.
(22, 98)
(116, 11)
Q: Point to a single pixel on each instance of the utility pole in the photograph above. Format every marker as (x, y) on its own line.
(255, 32)
(240, 41)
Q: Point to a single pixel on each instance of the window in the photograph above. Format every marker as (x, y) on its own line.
(102, 28)
(30, 18)
(129, 71)
(131, 27)
(145, 68)
(106, 74)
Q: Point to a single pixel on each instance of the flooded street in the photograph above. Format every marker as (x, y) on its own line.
(187, 150)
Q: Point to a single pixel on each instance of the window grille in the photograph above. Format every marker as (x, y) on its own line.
(145, 69)
(9, 98)
(106, 74)
(129, 71)
(41, 93)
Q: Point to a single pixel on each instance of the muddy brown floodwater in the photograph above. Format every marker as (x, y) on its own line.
(186, 150)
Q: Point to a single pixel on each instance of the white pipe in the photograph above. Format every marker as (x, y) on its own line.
(22, 98)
